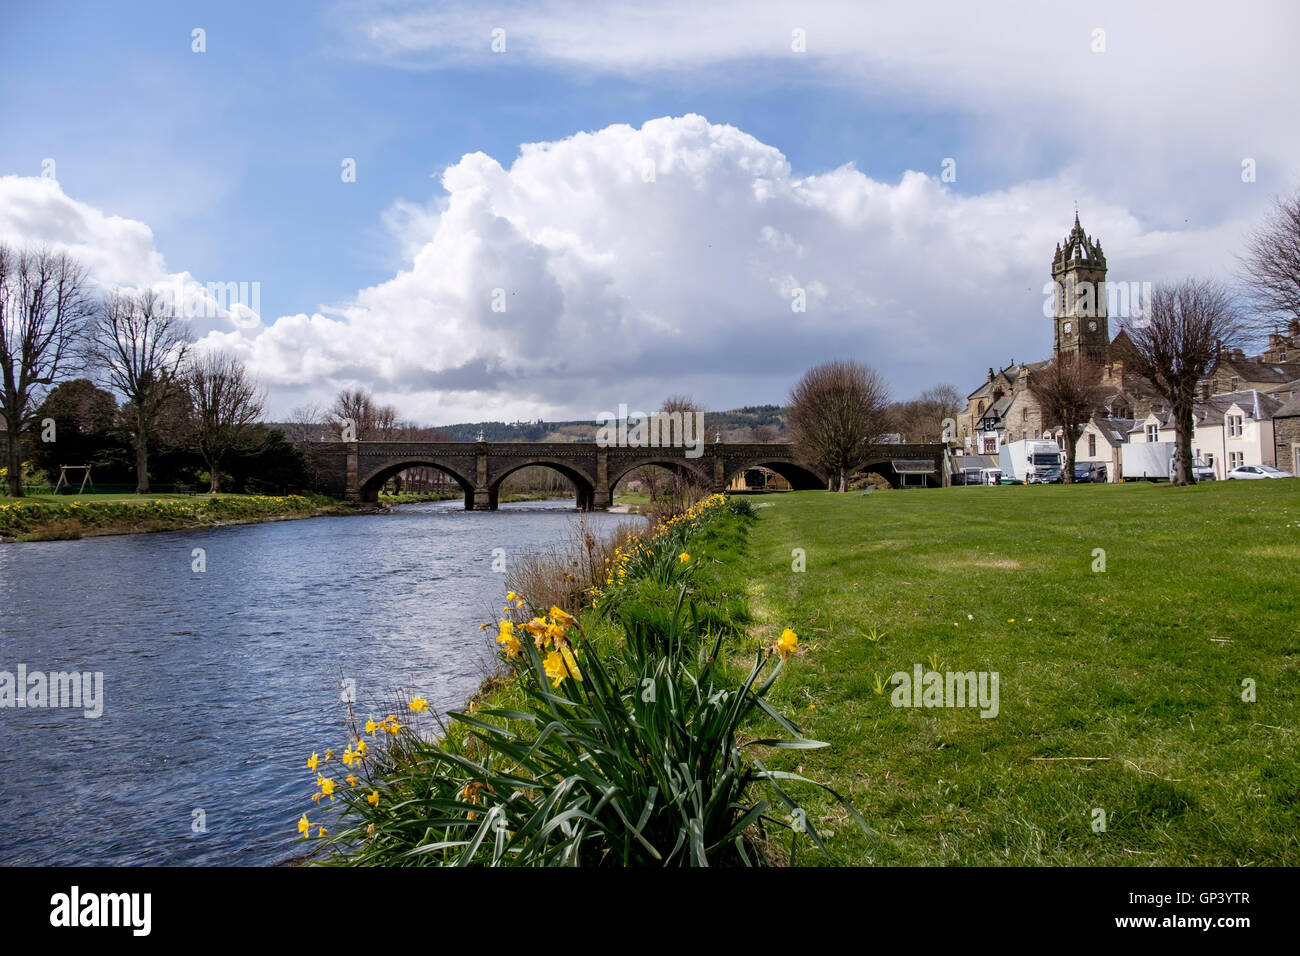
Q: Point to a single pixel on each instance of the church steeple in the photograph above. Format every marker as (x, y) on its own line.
(1079, 286)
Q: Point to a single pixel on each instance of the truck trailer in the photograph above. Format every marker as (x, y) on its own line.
(1030, 460)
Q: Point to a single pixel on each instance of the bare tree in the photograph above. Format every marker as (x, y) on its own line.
(44, 306)
(371, 420)
(921, 420)
(226, 401)
(763, 434)
(835, 409)
(1270, 269)
(1067, 396)
(140, 345)
(307, 423)
(1177, 342)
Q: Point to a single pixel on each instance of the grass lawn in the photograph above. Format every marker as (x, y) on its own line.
(109, 499)
(1141, 664)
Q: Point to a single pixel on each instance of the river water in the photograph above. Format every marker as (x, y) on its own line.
(218, 685)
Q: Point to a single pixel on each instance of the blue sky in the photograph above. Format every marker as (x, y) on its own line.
(232, 157)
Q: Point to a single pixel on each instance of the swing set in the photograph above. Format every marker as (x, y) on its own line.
(85, 478)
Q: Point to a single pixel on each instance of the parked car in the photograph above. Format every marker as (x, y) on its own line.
(1089, 472)
(1047, 475)
(990, 476)
(1257, 471)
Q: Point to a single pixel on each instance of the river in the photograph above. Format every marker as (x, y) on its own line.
(217, 685)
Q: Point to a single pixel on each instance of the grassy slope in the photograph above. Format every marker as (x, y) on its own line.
(48, 518)
(1121, 664)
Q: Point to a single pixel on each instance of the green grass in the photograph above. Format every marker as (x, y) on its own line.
(106, 499)
(64, 517)
(1141, 664)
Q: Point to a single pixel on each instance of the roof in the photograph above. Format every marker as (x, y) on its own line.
(1290, 410)
(1257, 370)
(1115, 429)
(1258, 405)
(913, 466)
(998, 408)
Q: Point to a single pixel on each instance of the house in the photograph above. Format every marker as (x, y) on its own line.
(1228, 431)
(1286, 436)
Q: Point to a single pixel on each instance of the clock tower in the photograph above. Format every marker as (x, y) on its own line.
(1079, 291)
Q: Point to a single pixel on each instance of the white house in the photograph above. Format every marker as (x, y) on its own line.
(1228, 430)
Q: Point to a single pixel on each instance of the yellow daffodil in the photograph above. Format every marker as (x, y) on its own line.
(786, 643)
(321, 831)
(683, 557)
(303, 825)
(506, 638)
(419, 705)
(371, 726)
(313, 761)
(351, 779)
(348, 757)
(362, 747)
(329, 755)
(561, 664)
(372, 798)
(512, 596)
(560, 616)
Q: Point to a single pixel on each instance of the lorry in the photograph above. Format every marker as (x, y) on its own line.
(1154, 461)
(1031, 460)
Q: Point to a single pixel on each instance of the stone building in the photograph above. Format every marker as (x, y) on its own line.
(1004, 409)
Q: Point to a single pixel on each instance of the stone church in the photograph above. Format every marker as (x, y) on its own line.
(1003, 409)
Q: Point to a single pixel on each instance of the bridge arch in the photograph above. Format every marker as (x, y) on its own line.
(801, 477)
(369, 485)
(583, 486)
(619, 469)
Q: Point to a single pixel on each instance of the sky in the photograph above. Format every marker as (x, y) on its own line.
(512, 211)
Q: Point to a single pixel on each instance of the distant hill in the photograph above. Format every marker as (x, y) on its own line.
(735, 425)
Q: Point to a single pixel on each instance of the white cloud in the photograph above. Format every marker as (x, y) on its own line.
(624, 282)
(619, 289)
(1166, 112)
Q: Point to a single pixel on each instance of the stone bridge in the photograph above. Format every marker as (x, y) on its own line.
(358, 470)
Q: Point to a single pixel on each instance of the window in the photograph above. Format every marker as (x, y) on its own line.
(1092, 446)
(1234, 426)
(1236, 459)
(1233, 383)
(1281, 355)
(1153, 433)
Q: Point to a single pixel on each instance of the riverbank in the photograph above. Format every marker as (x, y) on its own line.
(47, 518)
(618, 735)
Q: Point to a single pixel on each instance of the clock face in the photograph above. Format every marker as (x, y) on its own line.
(1068, 326)
(1092, 326)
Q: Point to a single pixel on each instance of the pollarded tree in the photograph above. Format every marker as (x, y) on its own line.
(44, 307)
(1177, 342)
(835, 410)
(140, 344)
(1067, 395)
(226, 402)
